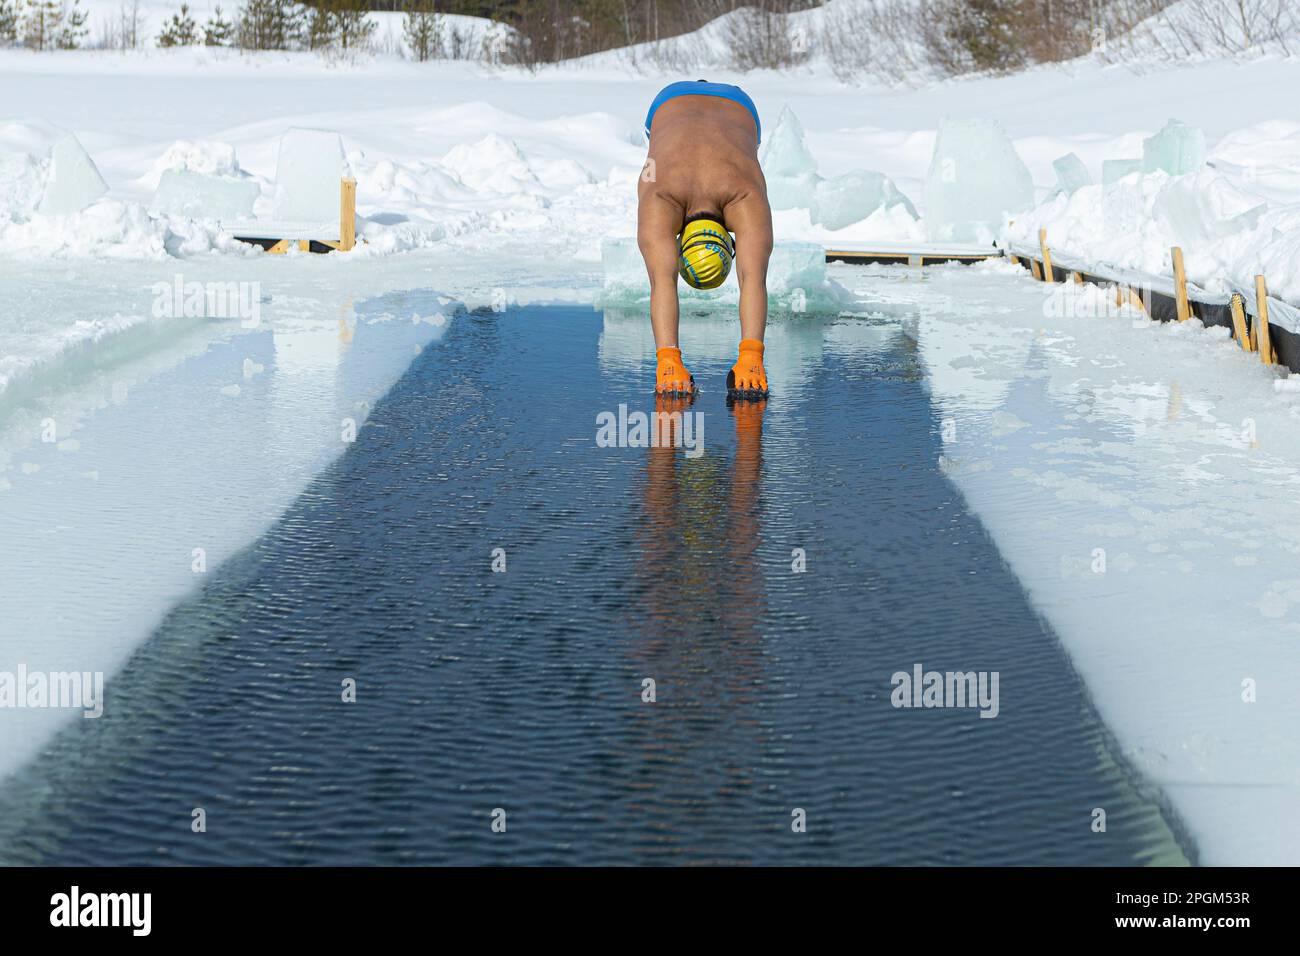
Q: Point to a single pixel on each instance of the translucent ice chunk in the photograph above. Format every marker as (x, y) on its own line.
(789, 167)
(1113, 170)
(1205, 207)
(975, 180)
(854, 196)
(307, 174)
(1177, 149)
(1071, 174)
(796, 278)
(199, 196)
(74, 181)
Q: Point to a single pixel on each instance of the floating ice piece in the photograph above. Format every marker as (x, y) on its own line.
(1113, 170)
(1071, 174)
(854, 196)
(975, 180)
(789, 167)
(74, 181)
(1177, 149)
(307, 174)
(201, 196)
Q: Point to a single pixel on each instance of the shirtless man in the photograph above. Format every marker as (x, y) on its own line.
(703, 182)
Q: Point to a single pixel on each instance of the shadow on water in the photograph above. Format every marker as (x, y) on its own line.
(640, 654)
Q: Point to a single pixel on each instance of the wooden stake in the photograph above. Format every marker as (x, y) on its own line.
(1048, 276)
(1077, 277)
(1180, 285)
(347, 214)
(1261, 318)
(1124, 295)
(1015, 260)
(1239, 322)
(1038, 273)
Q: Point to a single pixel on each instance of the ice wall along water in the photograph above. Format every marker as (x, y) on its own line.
(796, 280)
(164, 462)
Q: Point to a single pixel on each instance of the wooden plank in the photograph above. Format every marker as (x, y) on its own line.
(1180, 285)
(1124, 295)
(1138, 301)
(1038, 273)
(1077, 277)
(347, 214)
(1239, 322)
(1048, 275)
(1261, 319)
(280, 248)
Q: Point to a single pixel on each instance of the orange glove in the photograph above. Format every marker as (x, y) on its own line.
(747, 379)
(671, 377)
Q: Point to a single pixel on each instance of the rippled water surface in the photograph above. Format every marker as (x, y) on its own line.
(523, 689)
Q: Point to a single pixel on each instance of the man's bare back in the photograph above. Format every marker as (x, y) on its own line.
(703, 159)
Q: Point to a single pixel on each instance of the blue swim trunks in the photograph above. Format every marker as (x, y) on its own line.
(703, 88)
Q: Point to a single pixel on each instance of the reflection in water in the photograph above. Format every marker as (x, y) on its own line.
(703, 599)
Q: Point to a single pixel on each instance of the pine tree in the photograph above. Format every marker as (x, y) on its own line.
(72, 26)
(218, 31)
(8, 22)
(355, 28)
(270, 25)
(422, 28)
(986, 28)
(42, 23)
(181, 31)
(322, 27)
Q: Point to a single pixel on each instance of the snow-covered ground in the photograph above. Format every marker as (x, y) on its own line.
(495, 184)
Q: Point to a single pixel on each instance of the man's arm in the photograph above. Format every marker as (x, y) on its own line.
(656, 234)
(750, 219)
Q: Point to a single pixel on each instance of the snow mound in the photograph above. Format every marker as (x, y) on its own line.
(205, 157)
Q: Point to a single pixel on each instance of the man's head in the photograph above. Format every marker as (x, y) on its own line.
(705, 251)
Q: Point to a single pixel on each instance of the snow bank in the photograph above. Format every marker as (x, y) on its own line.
(1235, 215)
